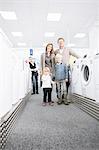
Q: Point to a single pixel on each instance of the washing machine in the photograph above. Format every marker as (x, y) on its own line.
(76, 77)
(88, 78)
(96, 76)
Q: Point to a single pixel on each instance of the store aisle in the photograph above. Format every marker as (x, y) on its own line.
(57, 127)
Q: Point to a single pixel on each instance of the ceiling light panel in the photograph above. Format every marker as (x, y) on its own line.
(80, 35)
(53, 16)
(21, 44)
(17, 34)
(49, 34)
(8, 15)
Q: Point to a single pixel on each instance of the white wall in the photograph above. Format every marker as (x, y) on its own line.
(94, 40)
(15, 76)
(5, 75)
(94, 34)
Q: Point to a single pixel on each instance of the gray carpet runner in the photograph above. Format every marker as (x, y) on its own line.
(57, 127)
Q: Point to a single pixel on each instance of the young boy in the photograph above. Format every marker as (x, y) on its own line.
(61, 77)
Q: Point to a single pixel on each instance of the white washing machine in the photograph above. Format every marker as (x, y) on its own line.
(87, 78)
(96, 76)
(76, 77)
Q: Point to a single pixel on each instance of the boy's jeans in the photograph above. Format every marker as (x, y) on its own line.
(61, 91)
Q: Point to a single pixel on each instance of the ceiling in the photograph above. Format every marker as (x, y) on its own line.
(76, 16)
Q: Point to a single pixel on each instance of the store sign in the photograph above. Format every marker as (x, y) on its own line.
(31, 52)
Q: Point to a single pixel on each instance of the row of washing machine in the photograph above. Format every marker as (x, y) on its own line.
(85, 77)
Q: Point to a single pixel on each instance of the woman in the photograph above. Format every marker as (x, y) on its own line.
(34, 77)
(47, 59)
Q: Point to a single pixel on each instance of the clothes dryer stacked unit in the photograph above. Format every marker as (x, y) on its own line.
(88, 78)
(76, 77)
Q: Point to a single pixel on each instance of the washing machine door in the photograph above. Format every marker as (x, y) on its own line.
(86, 74)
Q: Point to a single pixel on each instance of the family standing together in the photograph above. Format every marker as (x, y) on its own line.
(55, 69)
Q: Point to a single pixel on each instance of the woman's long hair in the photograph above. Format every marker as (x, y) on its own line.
(51, 52)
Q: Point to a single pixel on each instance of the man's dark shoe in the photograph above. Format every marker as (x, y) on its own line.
(59, 102)
(66, 103)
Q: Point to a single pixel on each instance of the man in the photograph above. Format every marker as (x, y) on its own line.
(65, 52)
(34, 77)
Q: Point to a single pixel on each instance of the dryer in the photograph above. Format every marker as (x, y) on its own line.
(87, 78)
(76, 77)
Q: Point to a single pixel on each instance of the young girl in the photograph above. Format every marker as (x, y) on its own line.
(47, 86)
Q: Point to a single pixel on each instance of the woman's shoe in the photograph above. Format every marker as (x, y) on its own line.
(37, 92)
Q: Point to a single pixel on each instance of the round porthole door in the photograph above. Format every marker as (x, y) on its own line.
(86, 74)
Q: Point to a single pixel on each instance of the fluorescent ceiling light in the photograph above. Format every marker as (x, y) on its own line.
(8, 15)
(70, 45)
(17, 33)
(49, 34)
(53, 16)
(21, 44)
(80, 35)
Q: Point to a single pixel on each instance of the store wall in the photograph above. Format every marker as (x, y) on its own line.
(5, 75)
(15, 76)
(94, 40)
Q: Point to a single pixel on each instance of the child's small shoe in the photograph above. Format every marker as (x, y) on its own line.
(51, 104)
(43, 104)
